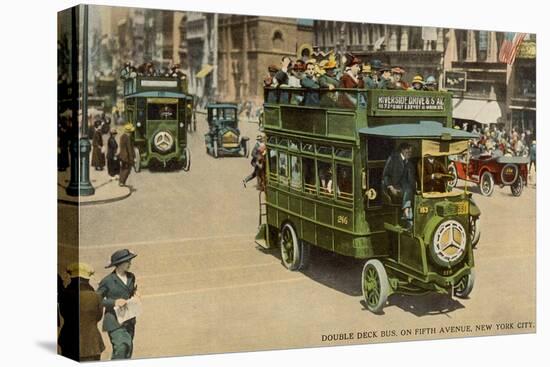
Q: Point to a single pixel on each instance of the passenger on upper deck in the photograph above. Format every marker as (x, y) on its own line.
(375, 65)
(385, 77)
(350, 79)
(126, 72)
(368, 79)
(398, 82)
(328, 79)
(281, 76)
(296, 74)
(309, 82)
(272, 70)
(417, 83)
(430, 84)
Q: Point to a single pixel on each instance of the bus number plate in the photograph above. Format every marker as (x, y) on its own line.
(342, 219)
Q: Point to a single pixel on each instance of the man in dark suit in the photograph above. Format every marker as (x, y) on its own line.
(399, 180)
(81, 309)
(115, 291)
(434, 174)
(126, 155)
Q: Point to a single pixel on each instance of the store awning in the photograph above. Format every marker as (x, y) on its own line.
(481, 111)
(206, 69)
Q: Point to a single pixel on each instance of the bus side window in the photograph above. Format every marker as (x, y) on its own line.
(283, 168)
(326, 187)
(344, 189)
(308, 165)
(272, 164)
(295, 173)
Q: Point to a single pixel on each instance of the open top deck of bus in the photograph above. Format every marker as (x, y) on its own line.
(339, 114)
(161, 85)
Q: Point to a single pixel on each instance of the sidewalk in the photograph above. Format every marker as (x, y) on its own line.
(106, 189)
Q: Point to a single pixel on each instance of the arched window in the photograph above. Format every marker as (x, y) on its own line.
(277, 40)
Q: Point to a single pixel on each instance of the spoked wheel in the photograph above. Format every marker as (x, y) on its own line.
(475, 230)
(375, 285)
(187, 163)
(137, 160)
(517, 186)
(215, 149)
(465, 285)
(486, 184)
(452, 182)
(293, 251)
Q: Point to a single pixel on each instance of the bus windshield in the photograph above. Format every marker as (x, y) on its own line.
(161, 111)
(433, 168)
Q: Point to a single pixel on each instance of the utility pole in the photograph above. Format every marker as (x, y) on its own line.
(80, 184)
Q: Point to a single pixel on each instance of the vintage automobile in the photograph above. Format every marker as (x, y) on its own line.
(161, 110)
(325, 158)
(223, 136)
(487, 170)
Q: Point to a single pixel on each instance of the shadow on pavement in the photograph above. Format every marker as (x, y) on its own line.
(425, 305)
(344, 274)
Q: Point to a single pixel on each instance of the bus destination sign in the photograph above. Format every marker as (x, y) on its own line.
(411, 103)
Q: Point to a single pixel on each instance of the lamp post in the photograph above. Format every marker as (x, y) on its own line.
(80, 184)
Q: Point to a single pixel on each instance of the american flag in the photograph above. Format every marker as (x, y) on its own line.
(510, 46)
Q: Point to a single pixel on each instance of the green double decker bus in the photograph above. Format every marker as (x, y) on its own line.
(326, 153)
(162, 111)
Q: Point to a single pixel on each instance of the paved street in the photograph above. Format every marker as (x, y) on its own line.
(206, 287)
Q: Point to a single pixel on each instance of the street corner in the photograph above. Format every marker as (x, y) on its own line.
(106, 189)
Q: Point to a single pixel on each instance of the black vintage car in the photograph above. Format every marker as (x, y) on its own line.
(223, 136)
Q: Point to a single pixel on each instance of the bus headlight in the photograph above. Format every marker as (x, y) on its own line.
(181, 124)
(138, 124)
(449, 243)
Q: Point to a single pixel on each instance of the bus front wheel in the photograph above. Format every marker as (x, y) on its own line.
(465, 285)
(375, 285)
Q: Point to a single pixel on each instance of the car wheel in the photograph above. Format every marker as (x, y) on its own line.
(375, 285)
(215, 149)
(486, 184)
(517, 186)
(453, 172)
(137, 160)
(187, 163)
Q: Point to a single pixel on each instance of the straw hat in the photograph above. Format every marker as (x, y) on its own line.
(80, 270)
(330, 64)
(366, 69)
(417, 79)
(129, 128)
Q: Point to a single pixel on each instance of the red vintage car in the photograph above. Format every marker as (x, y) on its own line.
(487, 170)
